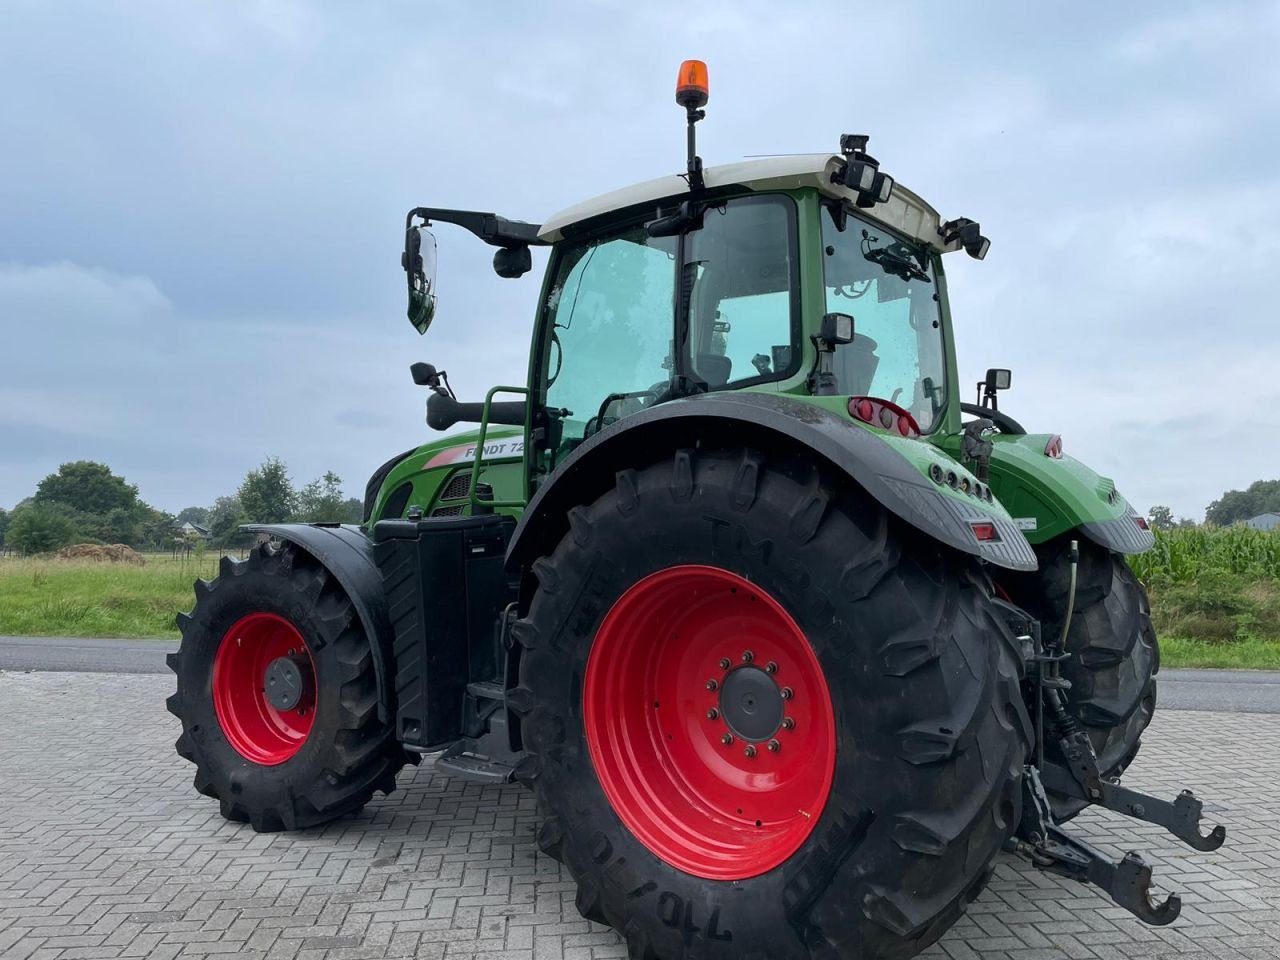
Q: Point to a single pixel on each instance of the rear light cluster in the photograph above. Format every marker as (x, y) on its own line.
(984, 531)
(884, 414)
(1054, 447)
(1142, 522)
(974, 488)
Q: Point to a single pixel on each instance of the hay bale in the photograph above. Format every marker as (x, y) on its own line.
(102, 553)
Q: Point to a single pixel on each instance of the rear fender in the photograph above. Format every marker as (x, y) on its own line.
(892, 470)
(348, 554)
(1049, 496)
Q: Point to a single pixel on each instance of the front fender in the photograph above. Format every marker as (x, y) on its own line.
(1050, 496)
(347, 553)
(893, 470)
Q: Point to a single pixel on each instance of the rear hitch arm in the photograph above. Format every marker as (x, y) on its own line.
(1051, 849)
(1128, 882)
(1181, 817)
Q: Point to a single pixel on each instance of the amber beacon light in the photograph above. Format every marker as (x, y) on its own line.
(691, 85)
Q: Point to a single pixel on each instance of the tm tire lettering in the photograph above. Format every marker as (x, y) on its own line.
(677, 914)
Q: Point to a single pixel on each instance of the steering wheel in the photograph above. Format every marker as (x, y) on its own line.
(596, 423)
(1004, 423)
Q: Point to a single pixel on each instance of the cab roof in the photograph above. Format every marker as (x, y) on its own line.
(904, 211)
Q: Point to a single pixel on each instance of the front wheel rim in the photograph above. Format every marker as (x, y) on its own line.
(709, 722)
(256, 651)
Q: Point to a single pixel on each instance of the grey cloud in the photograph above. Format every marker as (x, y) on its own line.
(202, 206)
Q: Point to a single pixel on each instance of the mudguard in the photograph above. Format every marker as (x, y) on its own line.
(1049, 496)
(347, 553)
(893, 470)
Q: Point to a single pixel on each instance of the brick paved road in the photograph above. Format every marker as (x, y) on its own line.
(105, 851)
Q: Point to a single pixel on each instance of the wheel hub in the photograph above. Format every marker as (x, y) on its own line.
(751, 704)
(283, 684)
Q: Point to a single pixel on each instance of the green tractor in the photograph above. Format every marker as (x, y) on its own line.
(788, 639)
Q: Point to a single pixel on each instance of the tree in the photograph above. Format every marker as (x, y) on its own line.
(158, 528)
(115, 526)
(39, 528)
(352, 510)
(267, 495)
(1161, 517)
(87, 487)
(321, 501)
(4, 523)
(225, 517)
(198, 515)
(1234, 506)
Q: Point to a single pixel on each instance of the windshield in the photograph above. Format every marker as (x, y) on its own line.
(887, 284)
(610, 347)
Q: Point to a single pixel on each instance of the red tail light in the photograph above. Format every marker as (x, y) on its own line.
(1142, 522)
(884, 413)
(1054, 447)
(985, 532)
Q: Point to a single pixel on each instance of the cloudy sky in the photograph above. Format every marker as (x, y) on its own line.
(201, 209)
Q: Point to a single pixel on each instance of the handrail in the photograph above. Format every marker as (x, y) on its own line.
(475, 470)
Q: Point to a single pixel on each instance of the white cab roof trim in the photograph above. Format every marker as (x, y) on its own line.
(904, 212)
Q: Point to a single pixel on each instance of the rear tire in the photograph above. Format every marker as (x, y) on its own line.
(280, 769)
(1114, 652)
(930, 733)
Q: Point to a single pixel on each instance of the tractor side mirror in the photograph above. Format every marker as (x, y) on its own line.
(419, 262)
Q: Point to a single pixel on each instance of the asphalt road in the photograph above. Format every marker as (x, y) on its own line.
(84, 654)
(1224, 691)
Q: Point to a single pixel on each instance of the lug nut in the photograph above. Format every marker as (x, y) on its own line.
(711, 684)
(725, 663)
(727, 739)
(771, 667)
(750, 751)
(788, 723)
(713, 714)
(774, 746)
(787, 693)
(747, 656)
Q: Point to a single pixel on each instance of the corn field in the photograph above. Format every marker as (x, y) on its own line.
(1186, 554)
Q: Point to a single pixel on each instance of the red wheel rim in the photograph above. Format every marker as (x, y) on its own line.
(252, 724)
(657, 729)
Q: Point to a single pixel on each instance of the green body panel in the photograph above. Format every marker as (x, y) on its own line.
(433, 465)
(1048, 495)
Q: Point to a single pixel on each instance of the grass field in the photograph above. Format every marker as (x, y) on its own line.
(77, 598)
(1220, 586)
(1215, 596)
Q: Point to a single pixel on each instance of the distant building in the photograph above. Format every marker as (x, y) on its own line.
(195, 531)
(1264, 521)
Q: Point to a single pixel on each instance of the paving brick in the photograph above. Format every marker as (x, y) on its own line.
(107, 852)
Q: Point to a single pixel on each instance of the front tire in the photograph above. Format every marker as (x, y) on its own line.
(277, 695)
(875, 821)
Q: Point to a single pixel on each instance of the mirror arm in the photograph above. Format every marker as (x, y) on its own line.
(492, 229)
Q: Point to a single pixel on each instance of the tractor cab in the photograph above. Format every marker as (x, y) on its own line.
(804, 275)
